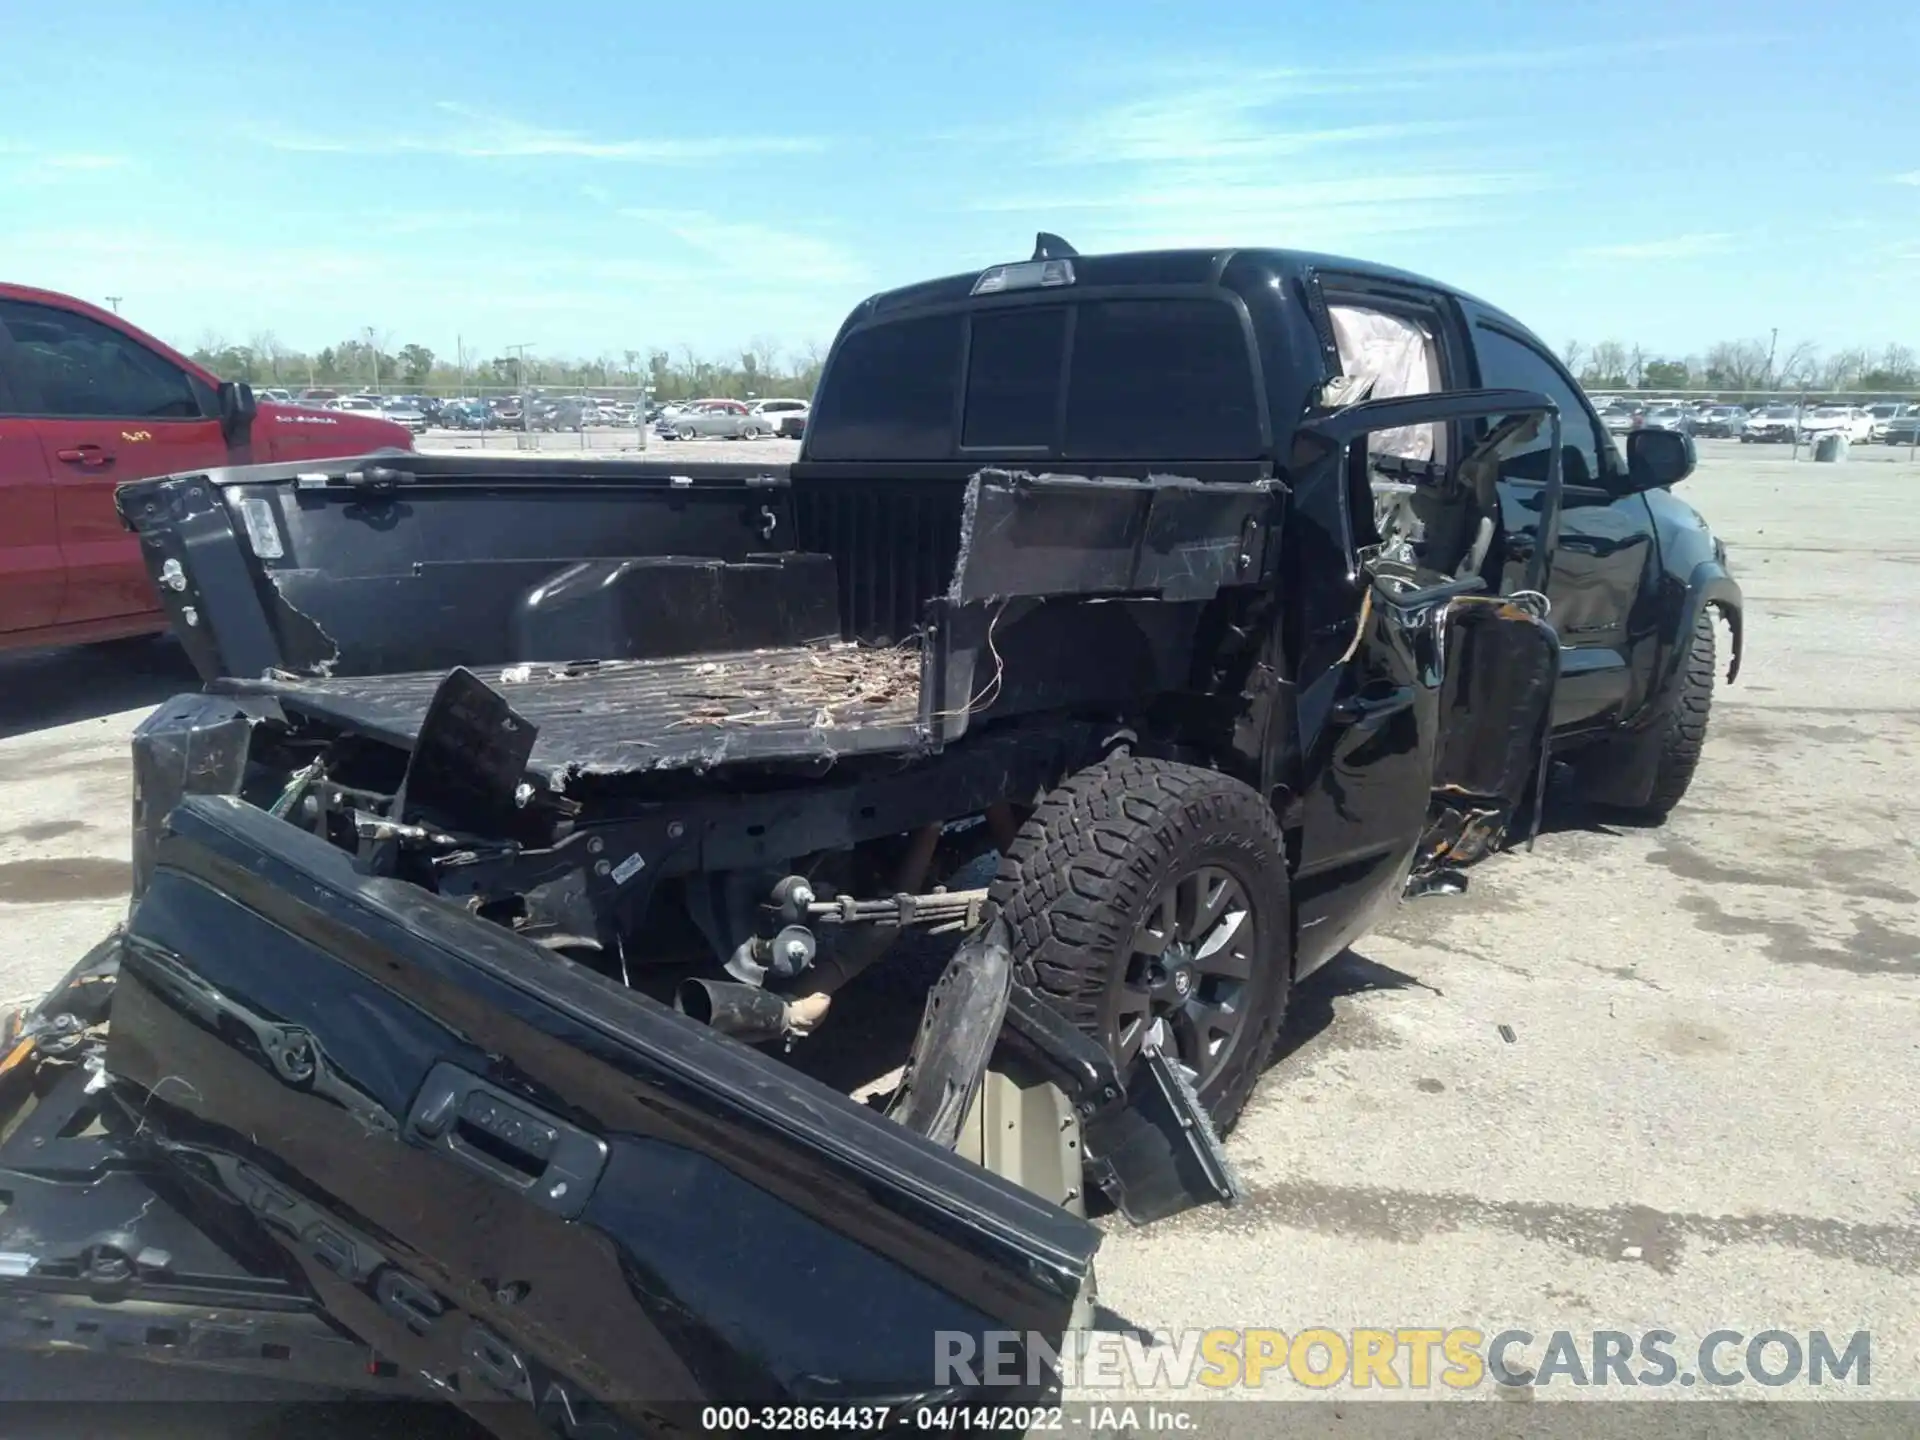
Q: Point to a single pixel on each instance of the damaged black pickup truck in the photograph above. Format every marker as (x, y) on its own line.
(1140, 624)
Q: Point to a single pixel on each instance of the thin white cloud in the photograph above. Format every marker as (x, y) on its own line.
(1236, 153)
(1673, 247)
(1228, 197)
(1218, 126)
(754, 250)
(1911, 177)
(30, 165)
(482, 135)
(599, 194)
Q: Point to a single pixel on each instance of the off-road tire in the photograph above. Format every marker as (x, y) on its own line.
(1685, 727)
(1084, 868)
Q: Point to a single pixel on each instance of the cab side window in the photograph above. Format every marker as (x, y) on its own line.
(70, 367)
(1510, 363)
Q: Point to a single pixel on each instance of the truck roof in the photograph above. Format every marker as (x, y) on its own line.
(1138, 268)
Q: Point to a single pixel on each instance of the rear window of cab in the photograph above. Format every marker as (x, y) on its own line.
(1158, 378)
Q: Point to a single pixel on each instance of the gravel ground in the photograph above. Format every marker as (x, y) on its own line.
(1709, 1109)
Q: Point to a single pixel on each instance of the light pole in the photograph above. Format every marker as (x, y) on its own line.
(114, 301)
(373, 349)
(519, 353)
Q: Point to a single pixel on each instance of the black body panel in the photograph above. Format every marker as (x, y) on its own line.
(104, 1250)
(406, 562)
(286, 1025)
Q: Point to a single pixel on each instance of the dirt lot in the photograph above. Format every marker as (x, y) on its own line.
(1707, 1113)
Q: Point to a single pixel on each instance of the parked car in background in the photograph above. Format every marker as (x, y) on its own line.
(358, 404)
(1903, 428)
(1670, 417)
(90, 402)
(1620, 416)
(403, 411)
(427, 405)
(773, 414)
(569, 413)
(274, 395)
(311, 396)
(1848, 421)
(1880, 415)
(1725, 422)
(1776, 424)
(714, 420)
(466, 415)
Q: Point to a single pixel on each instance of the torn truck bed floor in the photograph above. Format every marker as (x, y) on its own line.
(798, 702)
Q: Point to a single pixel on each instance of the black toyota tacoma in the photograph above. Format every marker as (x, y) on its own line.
(1140, 624)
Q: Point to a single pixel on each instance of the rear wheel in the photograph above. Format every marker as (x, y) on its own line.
(1148, 901)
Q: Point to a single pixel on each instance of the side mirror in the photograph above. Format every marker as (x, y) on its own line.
(1658, 458)
(237, 409)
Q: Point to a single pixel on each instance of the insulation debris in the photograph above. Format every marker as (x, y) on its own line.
(838, 684)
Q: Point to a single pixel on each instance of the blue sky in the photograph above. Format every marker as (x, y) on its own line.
(594, 177)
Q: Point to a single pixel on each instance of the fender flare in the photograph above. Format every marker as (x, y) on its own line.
(1708, 587)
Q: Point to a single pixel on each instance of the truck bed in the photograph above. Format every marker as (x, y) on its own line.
(799, 702)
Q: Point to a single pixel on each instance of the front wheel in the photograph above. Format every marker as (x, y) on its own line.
(750, 431)
(685, 432)
(1684, 732)
(1149, 903)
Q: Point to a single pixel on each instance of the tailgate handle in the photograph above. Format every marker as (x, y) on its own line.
(484, 1128)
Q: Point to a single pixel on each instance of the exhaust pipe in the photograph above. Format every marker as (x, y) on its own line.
(746, 1012)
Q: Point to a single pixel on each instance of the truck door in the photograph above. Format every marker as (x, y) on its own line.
(536, 1187)
(108, 410)
(1606, 533)
(1367, 667)
(31, 574)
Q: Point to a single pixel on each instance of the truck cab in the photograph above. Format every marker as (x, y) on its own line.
(87, 403)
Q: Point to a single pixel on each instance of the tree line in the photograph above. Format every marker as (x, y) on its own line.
(763, 368)
(1745, 366)
(372, 362)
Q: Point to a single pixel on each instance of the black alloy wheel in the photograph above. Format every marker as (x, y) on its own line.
(1185, 983)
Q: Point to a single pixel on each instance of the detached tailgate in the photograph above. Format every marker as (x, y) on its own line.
(527, 1183)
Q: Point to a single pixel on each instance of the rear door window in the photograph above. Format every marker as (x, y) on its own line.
(1400, 355)
(890, 395)
(1161, 379)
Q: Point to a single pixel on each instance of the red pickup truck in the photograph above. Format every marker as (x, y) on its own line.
(88, 402)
